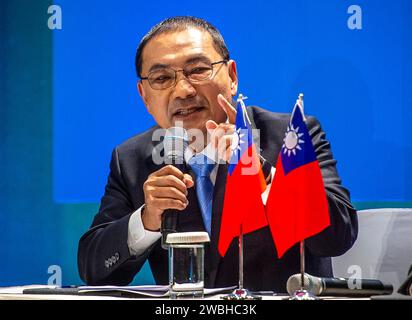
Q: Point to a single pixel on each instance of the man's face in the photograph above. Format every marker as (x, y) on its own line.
(190, 103)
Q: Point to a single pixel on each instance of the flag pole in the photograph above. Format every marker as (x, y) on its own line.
(241, 293)
(302, 265)
(302, 293)
(302, 242)
(241, 99)
(241, 257)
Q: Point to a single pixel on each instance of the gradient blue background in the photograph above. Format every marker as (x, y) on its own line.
(353, 80)
(68, 97)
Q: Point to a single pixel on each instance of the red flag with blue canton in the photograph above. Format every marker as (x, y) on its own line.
(244, 186)
(297, 207)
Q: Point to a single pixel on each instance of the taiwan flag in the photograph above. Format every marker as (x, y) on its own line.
(297, 207)
(244, 186)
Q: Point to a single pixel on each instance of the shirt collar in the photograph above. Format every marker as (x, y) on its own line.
(210, 152)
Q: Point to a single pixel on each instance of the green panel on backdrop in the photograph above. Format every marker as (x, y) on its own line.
(380, 204)
(29, 225)
(76, 219)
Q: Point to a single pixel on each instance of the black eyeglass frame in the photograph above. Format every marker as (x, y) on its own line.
(185, 74)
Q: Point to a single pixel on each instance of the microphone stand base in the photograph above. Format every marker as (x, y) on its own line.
(241, 294)
(302, 294)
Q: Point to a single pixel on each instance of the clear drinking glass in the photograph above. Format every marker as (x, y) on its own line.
(186, 264)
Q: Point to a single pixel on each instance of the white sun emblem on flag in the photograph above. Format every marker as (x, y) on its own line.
(236, 141)
(292, 140)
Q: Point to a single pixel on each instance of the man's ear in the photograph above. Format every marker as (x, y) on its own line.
(142, 94)
(233, 77)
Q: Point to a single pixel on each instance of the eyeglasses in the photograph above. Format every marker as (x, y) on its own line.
(195, 72)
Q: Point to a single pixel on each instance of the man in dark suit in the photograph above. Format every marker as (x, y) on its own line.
(187, 76)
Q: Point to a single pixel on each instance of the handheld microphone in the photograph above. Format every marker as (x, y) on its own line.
(339, 287)
(175, 143)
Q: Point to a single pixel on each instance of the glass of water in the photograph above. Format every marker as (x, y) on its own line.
(186, 264)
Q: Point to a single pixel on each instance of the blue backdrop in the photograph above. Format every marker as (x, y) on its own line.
(355, 81)
(68, 97)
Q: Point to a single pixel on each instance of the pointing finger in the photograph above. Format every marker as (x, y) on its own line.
(227, 107)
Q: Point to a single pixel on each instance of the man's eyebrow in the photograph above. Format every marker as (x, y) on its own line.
(158, 66)
(195, 59)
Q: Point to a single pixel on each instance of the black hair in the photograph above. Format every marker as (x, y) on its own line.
(176, 24)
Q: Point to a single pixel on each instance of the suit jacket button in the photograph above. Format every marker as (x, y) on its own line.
(117, 256)
(106, 263)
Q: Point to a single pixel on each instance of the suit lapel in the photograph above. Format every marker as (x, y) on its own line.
(217, 208)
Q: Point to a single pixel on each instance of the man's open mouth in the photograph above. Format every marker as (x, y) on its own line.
(188, 111)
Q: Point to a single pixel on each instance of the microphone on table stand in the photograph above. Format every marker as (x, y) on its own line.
(339, 287)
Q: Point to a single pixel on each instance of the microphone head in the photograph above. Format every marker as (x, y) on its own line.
(175, 143)
(310, 283)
